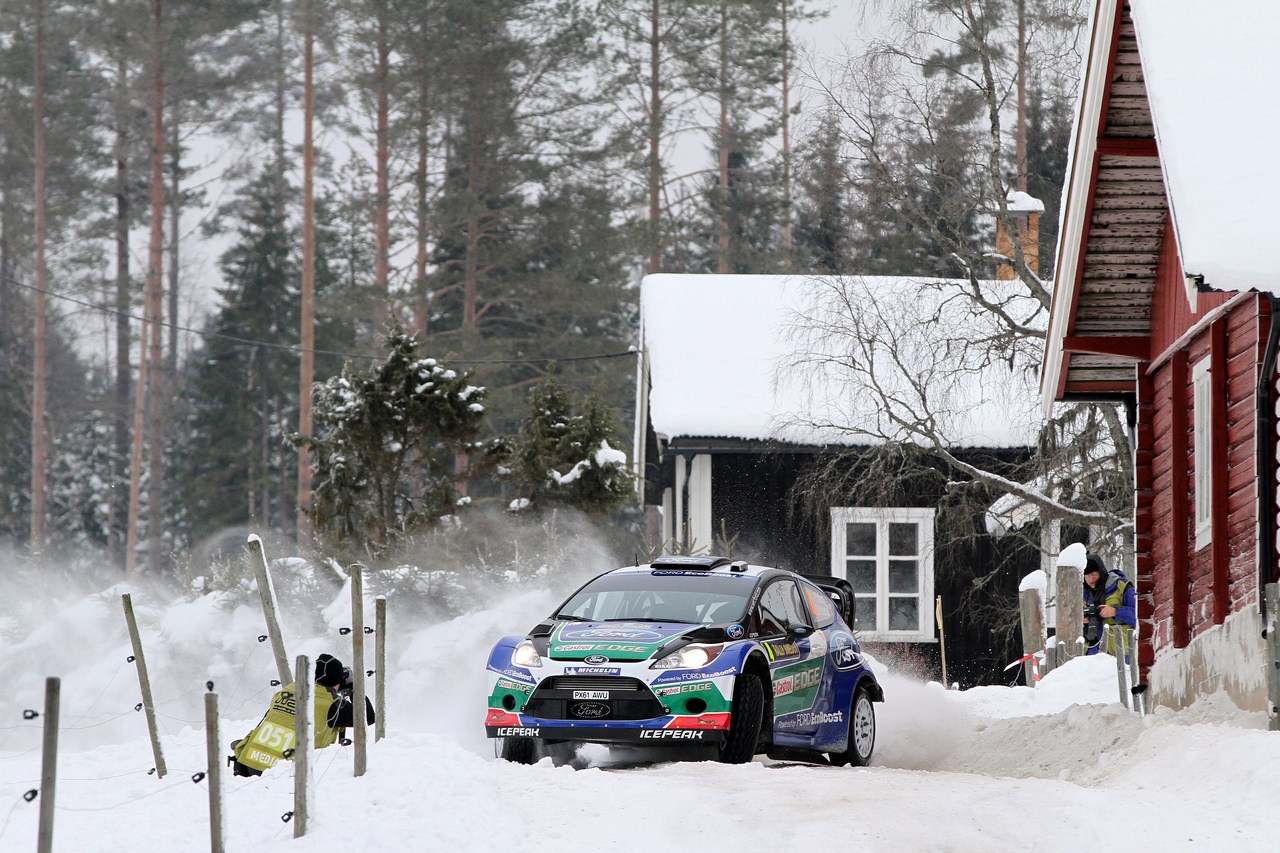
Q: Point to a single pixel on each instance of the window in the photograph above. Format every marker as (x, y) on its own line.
(779, 609)
(822, 608)
(1202, 405)
(887, 555)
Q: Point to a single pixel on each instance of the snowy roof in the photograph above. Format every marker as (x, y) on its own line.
(1208, 67)
(740, 357)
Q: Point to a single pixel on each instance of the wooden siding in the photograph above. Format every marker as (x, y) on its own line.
(1171, 314)
(1193, 590)
(1127, 114)
(1144, 522)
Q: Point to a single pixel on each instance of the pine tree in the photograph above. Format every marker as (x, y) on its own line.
(564, 454)
(375, 428)
(824, 228)
(735, 71)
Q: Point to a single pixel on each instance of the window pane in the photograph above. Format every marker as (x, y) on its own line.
(860, 539)
(862, 574)
(902, 539)
(902, 576)
(904, 614)
(865, 617)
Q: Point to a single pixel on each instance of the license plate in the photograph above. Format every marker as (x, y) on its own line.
(591, 694)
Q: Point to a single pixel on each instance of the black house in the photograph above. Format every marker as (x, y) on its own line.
(756, 439)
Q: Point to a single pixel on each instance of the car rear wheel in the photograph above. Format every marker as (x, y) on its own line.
(746, 718)
(520, 750)
(862, 732)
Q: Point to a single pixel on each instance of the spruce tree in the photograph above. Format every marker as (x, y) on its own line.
(377, 429)
(565, 453)
(237, 467)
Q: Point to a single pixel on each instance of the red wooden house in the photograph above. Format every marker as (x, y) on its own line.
(1166, 298)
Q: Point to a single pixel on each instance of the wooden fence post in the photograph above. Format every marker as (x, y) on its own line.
(303, 708)
(1272, 627)
(1069, 610)
(258, 557)
(214, 756)
(49, 763)
(357, 667)
(1033, 639)
(380, 664)
(144, 682)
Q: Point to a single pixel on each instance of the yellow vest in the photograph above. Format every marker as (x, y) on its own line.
(274, 737)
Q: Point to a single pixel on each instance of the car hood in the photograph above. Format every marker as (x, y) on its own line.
(617, 641)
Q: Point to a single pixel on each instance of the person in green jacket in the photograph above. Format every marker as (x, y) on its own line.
(273, 738)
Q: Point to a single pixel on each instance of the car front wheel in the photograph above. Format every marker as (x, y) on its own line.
(520, 750)
(746, 718)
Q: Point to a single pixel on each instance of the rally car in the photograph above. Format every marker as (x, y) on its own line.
(690, 651)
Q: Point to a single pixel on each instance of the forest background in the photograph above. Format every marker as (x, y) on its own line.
(491, 177)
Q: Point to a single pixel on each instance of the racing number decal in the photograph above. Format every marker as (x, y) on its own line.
(275, 737)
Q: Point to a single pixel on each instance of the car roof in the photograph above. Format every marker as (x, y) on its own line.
(709, 565)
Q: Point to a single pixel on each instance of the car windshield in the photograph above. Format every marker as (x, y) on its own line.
(696, 598)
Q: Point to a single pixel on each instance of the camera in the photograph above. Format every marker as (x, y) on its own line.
(1091, 611)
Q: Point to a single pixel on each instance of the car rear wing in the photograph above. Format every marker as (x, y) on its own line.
(841, 592)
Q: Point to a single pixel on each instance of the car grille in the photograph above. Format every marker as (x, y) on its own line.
(629, 699)
(592, 682)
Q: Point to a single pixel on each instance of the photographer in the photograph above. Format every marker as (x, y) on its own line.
(1108, 600)
(273, 738)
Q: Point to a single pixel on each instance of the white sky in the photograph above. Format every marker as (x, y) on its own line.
(1060, 768)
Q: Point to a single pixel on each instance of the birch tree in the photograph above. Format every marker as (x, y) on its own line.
(930, 118)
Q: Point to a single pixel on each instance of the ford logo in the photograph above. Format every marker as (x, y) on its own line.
(615, 634)
(595, 659)
(589, 710)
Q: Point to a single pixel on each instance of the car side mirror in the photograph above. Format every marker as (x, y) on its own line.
(799, 631)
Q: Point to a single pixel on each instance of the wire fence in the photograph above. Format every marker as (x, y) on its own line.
(243, 694)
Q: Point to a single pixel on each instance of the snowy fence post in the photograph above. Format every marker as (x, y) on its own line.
(144, 682)
(49, 763)
(214, 757)
(1033, 639)
(258, 557)
(1272, 627)
(380, 665)
(1069, 610)
(1051, 655)
(357, 667)
(302, 711)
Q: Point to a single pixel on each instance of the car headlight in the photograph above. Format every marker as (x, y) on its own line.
(526, 655)
(688, 657)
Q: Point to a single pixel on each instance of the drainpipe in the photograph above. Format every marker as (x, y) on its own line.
(1266, 463)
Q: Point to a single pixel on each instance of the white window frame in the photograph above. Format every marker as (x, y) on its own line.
(923, 518)
(1202, 461)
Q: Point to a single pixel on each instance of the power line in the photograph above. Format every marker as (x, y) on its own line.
(297, 349)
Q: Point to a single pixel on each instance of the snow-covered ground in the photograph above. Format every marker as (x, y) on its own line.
(1063, 767)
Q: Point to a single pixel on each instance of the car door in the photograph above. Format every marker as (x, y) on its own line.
(795, 663)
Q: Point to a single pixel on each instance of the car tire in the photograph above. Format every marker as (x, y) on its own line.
(746, 718)
(520, 750)
(862, 732)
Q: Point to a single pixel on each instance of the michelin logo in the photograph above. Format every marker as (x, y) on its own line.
(670, 734)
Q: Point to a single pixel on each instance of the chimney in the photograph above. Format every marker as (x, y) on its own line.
(1025, 211)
